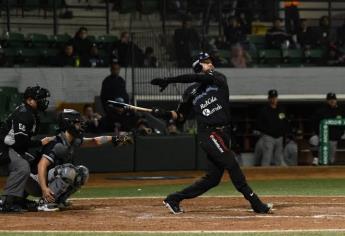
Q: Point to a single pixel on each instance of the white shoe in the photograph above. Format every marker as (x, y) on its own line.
(315, 161)
(48, 207)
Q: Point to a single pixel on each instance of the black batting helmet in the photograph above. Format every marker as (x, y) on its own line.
(40, 95)
(197, 67)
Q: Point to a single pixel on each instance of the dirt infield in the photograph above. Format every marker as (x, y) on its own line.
(206, 213)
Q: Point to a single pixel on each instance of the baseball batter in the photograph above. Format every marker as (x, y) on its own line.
(208, 99)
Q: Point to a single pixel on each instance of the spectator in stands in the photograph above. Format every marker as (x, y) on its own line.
(341, 34)
(233, 31)
(113, 86)
(149, 59)
(127, 52)
(91, 119)
(93, 59)
(239, 58)
(303, 34)
(276, 36)
(334, 57)
(142, 127)
(67, 58)
(330, 110)
(81, 43)
(320, 35)
(273, 126)
(171, 128)
(186, 40)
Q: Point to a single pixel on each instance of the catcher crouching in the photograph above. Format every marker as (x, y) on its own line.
(57, 177)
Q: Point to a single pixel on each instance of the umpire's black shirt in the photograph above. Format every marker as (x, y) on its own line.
(272, 121)
(207, 98)
(18, 129)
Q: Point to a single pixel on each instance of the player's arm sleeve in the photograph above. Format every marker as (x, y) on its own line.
(192, 78)
(185, 107)
(49, 152)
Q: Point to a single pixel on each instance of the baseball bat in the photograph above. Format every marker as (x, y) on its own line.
(128, 106)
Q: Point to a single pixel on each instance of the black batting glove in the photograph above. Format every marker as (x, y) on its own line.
(161, 82)
(123, 139)
(161, 113)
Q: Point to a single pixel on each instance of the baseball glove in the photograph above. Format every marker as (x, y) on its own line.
(122, 139)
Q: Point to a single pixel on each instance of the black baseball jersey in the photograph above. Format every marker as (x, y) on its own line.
(58, 151)
(208, 99)
(272, 121)
(328, 112)
(19, 127)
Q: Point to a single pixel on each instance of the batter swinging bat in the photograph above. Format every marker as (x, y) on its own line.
(128, 106)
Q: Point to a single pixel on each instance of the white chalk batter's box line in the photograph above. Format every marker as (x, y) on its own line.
(216, 196)
(180, 231)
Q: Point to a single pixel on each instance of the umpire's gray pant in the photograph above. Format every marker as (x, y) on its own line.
(272, 151)
(19, 172)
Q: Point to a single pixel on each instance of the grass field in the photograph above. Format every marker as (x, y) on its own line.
(311, 187)
(300, 187)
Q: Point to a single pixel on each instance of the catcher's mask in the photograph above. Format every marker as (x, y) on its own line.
(40, 95)
(70, 120)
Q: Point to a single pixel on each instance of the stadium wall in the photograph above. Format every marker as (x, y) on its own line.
(81, 85)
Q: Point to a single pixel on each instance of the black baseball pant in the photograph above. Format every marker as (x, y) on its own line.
(216, 145)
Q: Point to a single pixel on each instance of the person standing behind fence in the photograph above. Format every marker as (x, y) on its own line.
(330, 110)
(273, 125)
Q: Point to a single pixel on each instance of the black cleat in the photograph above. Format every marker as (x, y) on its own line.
(30, 205)
(174, 207)
(263, 208)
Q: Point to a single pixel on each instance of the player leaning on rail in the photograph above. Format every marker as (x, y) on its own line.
(208, 98)
(57, 177)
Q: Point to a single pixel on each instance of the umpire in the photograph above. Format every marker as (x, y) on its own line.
(273, 125)
(208, 99)
(15, 134)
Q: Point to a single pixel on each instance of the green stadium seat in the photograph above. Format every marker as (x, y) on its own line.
(29, 56)
(313, 56)
(270, 56)
(258, 40)
(29, 5)
(14, 101)
(11, 54)
(128, 6)
(5, 94)
(92, 38)
(12, 39)
(150, 6)
(38, 40)
(58, 4)
(59, 40)
(293, 56)
(106, 41)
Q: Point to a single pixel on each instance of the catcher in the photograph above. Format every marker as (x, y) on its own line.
(57, 177)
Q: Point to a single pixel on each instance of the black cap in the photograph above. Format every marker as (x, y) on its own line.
(331, 95)
(114, 60)
(272, 93)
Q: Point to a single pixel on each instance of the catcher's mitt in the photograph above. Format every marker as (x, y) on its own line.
(122, 139)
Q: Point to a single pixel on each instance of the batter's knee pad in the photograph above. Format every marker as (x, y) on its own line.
(82, 176)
